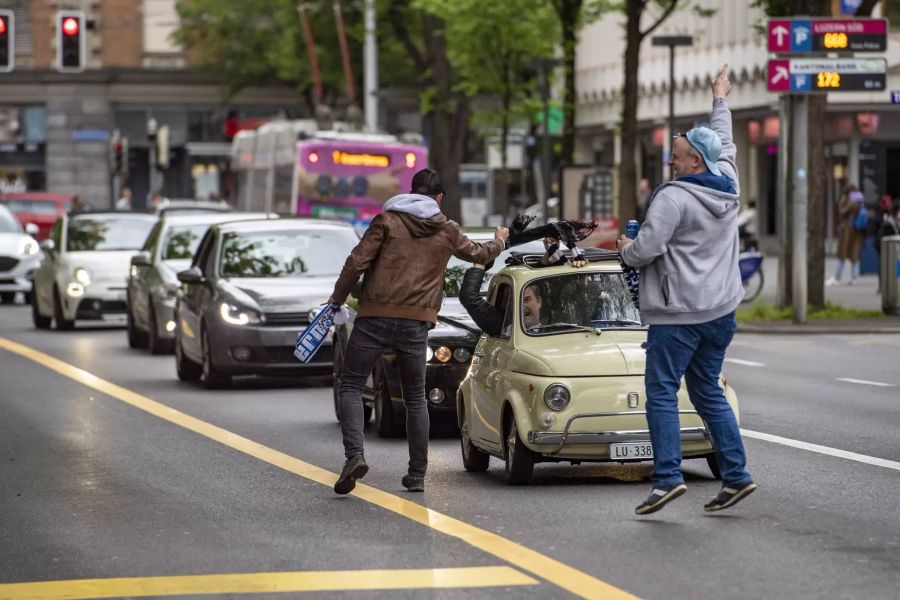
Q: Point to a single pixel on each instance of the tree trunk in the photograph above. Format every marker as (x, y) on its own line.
(569, 20)
(629, 128)
(504, 138)
(816, 204)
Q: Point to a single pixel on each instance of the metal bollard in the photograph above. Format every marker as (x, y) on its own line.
(890, 275)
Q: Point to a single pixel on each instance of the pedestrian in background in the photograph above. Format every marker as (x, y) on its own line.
(79, 204)
(850, 237)
(688, 250)
(403, 255)
(124, 203)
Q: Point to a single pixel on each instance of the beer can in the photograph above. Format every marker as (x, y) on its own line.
(631, 229)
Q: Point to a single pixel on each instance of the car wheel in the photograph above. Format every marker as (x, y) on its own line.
(212, 378)
(473, 458)
(27, 296)
(519, 459)
(62, 323)
(40, 321)
(155, 344)
(385, 421)
(7, 297)
(187, 369)
(713, 464)
(136, 338)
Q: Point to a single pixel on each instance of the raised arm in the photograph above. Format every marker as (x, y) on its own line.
(720, 122)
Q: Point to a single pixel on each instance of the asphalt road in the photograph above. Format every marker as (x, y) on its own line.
(101, 482)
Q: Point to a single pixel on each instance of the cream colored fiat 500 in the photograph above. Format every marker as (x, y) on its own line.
(564, 379)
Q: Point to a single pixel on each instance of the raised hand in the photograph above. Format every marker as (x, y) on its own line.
(720, 85)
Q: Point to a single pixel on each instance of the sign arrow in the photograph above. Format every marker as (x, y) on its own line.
(781, 73)
(779, 33)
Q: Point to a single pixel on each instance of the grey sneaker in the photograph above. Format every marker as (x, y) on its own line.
(729, 496)
(414, 483)
(355, 468)
(659, 497)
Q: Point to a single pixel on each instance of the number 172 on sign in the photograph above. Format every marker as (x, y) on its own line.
(807, 75)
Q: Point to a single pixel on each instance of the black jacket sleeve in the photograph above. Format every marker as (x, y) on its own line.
(486, 316)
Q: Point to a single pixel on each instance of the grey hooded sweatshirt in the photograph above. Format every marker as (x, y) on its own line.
(688, 247)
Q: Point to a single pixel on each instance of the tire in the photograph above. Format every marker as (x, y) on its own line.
(713, 465)
(155, 344)
(187, 369)
(385, 421)
(28, 296)
(137, 339)
(753, 286)
(519, 459)
(40, 321)
(474, 459)
(8, 297)
(62, 323)
(212, 378)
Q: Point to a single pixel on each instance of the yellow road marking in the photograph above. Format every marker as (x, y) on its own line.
(249, 583)
(557, 573)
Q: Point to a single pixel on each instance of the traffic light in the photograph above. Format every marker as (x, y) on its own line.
(118, 155)
(7, 40)
(70, 40)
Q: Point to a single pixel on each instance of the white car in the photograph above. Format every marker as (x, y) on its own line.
(85, 267)
(19, 256)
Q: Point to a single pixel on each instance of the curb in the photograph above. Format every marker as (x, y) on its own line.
(839, 327)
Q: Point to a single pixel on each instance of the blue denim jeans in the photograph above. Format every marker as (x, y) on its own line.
(370, 338)
(694, 352)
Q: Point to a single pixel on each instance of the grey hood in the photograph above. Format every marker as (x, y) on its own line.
(416, 205)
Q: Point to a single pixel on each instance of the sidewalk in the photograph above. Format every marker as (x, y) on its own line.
(860, 296)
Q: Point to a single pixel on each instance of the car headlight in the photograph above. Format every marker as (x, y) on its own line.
(442, 353)
(83, 276)
(557, 396)
(236, 315)
(429, 353)
(461, 355)
(28, 247)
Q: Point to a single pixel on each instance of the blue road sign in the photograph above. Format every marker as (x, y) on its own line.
(849, 7)
(895, 97)
(801, 82)
(801, 36)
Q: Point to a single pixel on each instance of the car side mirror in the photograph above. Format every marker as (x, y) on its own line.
(141, 259)
(32, 229)
(193, 275)
(48, 246)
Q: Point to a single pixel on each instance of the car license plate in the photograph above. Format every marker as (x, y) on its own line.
(631, 451)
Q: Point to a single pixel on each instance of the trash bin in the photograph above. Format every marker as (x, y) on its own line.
(890, 274)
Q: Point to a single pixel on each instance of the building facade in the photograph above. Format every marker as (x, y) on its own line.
(56, 129)
(862, 129)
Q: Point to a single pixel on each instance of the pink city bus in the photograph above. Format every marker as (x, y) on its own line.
(290, 168)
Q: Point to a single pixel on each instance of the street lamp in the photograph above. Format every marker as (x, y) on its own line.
(671, 41)
(543, 66)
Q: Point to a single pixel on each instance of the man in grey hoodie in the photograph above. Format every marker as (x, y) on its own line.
(687, 250)
(403, 254)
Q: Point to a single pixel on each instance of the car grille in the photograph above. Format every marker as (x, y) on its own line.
(8, 263)
(287, 318)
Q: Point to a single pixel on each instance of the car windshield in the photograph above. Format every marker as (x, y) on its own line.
(456, 268)
(181, 241)
(8, 223)
(107, 232)
(42, 207)
(291, 253)
(565, 303)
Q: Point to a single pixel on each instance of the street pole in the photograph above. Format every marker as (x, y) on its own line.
(545, 142)
(370, 102)
(784, 289)
(671, 41)
(151, 174)
(800, 175)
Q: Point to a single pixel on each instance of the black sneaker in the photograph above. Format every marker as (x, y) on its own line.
(414, 483)
(659, 497)
(729, 496)
(355, 468)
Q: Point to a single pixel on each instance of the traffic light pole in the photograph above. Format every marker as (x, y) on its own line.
(799, 200)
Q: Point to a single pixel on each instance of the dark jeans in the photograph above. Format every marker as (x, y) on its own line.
(370, 338)
(694, 352)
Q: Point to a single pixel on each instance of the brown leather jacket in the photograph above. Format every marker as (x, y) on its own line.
(404, 258)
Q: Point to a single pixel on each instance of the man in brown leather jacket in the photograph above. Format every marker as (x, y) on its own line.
(403, 254)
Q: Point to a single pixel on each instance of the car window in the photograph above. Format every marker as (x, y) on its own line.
(181, 241)
(501, 296)
(8, 223)
(204, 250)
(285, 253)
(41, 207)
(456, 268)
(107, 233)
(563, 303)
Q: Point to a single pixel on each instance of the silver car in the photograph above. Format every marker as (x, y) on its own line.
(252, 287)
(152, 282)
(19, 256)
(85, 267)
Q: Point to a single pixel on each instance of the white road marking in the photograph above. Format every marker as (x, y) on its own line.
(775, 439)
(746, 363)
(865, 382)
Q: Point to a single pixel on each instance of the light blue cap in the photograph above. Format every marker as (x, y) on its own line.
(707, 143)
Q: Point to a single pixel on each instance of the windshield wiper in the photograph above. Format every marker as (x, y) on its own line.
(618, 322)
(566, 326)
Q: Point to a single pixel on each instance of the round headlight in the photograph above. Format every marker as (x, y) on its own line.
(442, 353)
(83, 276)
(461, 355)
(557, 396)
(429, 353)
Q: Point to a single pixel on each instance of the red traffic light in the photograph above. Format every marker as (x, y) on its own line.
(70, 26)
(2, 25)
